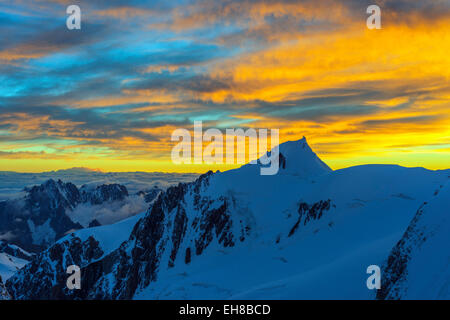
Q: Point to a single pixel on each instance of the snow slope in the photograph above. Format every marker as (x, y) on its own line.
(110, 236)
(12, 258)
(9, 265)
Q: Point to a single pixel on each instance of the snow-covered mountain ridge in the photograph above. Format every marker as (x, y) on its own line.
(418, 267)
(307, 232)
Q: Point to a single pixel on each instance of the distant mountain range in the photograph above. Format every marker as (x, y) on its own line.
(306, 233)
(41, 216)
(12, 183)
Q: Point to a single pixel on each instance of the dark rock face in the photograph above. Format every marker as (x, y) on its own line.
(310, 212)
(418, 265)
(14, 251)
(394, 271)
(94, 223)
(282, 161)
(53, 194)
(178, 234)
(151, 194)
(217, 223)
(45, 277)
(181, 218)
(103, 193)
(44, 204)
(4, 295)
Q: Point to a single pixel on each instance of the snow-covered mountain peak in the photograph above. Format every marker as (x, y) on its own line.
(298, 159)
(296, 149)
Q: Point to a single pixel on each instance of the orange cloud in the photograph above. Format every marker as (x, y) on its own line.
(125, 12)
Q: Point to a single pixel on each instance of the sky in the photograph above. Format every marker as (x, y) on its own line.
(110, 95)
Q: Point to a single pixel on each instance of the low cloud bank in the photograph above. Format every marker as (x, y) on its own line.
(108, 212)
